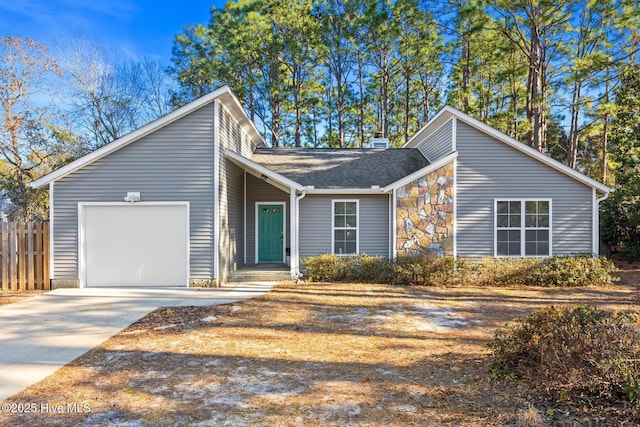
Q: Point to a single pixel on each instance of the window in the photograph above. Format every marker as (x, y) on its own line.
(523, 228)
(345, 227)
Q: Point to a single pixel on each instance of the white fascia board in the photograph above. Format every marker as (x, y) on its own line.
(233, 104)
(224, 94)
(422, 172)
(281, 179)
(438, 121)
(379, 190)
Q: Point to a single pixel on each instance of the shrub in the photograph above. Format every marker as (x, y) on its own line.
(357, 268)
(374, 269)
(582, 270)
(445, 271)
(499, 271)
(412, 270)
(572, 351)
(326, 267)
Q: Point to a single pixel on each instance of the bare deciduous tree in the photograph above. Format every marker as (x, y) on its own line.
(27, 133)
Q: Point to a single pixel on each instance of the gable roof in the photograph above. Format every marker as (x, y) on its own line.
(331, 168)
(449, 112)
(223, 94)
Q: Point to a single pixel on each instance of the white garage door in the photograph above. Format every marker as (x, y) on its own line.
(135, 244)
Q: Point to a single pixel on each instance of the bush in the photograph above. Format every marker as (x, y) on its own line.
(444, 271)
(572, 351)
(573, 271)
(428, 271)
(498, 271)
(359, 268)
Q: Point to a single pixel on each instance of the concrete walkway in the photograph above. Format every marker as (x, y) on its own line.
(40, 334)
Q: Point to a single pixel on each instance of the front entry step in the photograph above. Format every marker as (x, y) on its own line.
(261, 273)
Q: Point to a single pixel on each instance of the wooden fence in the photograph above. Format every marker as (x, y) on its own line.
(24, 255)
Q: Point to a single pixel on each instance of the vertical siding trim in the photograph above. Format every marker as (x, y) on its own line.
(244, 212)
(293, 244)
(394, 251)
(295, 257)
(455, 202)
(595, 226)
(52, 265)
(454, 136)
(82, 268)
(216, 191)
(391, 222)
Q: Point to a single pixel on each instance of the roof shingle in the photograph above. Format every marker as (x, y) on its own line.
(341, 168)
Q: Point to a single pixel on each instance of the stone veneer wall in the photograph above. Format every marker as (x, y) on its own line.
(424, 215)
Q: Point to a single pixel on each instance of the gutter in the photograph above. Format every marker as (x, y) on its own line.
(375, 189)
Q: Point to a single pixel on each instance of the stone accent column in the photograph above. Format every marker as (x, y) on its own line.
(424, 215)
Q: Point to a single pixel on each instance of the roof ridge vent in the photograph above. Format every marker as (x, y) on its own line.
(379, 141)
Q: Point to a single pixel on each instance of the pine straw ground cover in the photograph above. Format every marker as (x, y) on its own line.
(317, 354)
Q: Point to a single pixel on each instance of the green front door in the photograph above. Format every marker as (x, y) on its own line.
(270, 233)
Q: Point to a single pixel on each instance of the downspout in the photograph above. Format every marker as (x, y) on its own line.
(596, 223)
(295, 239)
(216, 193)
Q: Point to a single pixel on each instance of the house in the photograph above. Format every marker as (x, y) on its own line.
(197, 194)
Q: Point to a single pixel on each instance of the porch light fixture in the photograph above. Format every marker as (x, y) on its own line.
(264, 177)
(132, 196)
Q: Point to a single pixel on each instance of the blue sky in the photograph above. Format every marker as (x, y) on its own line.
(133, 28)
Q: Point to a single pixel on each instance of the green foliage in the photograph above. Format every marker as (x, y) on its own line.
(358, 268)
(573, 271)
(444, 271)
(620, 220)
(499, 271)
(572, 351)
(430, 271)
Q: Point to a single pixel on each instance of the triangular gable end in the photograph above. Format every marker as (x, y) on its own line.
(448, 113)
(223, 94)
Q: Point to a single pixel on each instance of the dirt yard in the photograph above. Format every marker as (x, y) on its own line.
(318, 354)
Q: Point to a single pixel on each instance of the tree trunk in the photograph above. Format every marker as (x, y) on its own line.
(384, 95)
(407, 103)
(574, 128)
(275, 122)
(535, 98)
(362, 100)
(298, 112)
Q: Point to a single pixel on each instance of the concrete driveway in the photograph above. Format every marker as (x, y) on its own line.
(38, 335)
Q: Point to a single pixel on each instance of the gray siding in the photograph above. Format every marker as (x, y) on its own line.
(231, 209)
(315, 224)
(489, 169)
(261, 191)
(232, 137)
(174, 163)
(439, 144)
(231, 219)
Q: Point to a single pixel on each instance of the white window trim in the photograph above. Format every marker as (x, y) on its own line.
(333, 225)
(522, 226)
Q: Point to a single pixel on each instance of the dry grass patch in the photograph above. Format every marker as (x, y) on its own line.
(7, 297)
(314, 354)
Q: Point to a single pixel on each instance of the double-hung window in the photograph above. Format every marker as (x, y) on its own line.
(522, 228)
(345, 227)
